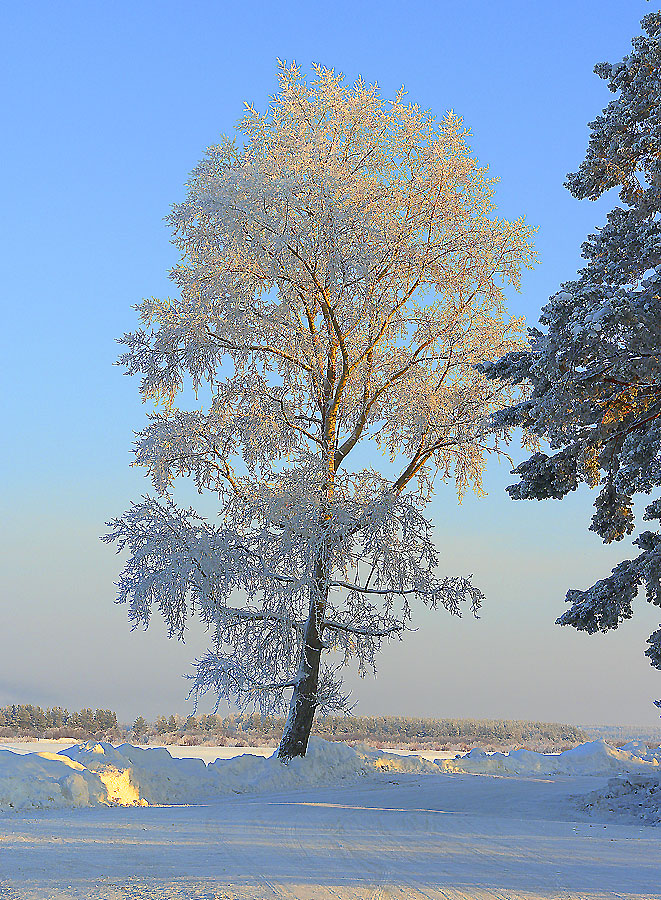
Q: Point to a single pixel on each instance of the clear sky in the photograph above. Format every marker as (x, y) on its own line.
(107, 109)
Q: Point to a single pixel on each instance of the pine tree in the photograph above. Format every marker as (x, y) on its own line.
(341, 276)
(595, 372)
(161, 725)
(139, 727)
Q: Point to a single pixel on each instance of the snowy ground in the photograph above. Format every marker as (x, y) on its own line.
(380, 834)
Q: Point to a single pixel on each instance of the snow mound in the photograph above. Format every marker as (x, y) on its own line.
(97, 773)
(155, 777)
(636, 797)
(640, 749)
(593, 758)
(326, 762)
(395, 762)
(40, 780)
(141, 776)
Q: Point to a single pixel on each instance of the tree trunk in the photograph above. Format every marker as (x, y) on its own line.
(304, 700)
(303, 704)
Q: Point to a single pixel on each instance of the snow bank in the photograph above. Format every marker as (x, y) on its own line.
(138, 776)
(593, 758)
(100, 774)
(46, 780)
(382, 761)
(326, 762)
(159, 778)
(96, 773)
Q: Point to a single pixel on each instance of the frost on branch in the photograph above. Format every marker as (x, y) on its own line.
(183, 566)
(341, 277)
(594, 375)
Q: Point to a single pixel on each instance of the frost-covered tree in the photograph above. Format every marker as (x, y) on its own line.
(341, 275)
(596, 370)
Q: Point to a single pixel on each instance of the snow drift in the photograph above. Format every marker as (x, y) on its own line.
(99, 774)
(593, 758)
(95, 774)
(47, 779)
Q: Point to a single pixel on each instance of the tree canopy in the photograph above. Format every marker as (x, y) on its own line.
(341, 276)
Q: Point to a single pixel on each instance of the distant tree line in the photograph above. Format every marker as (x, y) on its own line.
(33, 721)
(447, 730)
(622, 734)
(234, 730)
(393, 731)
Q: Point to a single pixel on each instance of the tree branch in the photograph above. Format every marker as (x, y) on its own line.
(367, 632)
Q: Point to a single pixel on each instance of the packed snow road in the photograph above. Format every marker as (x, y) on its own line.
(397, 836)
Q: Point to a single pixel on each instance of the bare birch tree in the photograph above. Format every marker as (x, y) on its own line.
(341, 276)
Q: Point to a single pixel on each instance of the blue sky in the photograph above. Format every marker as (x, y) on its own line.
(109, 107)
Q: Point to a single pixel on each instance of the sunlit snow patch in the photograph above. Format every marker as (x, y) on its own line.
(135, 775)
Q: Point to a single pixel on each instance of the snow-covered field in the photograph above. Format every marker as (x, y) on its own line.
(339, 824)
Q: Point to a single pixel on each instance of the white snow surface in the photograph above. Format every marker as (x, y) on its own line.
(340, 824)
(97, 773)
